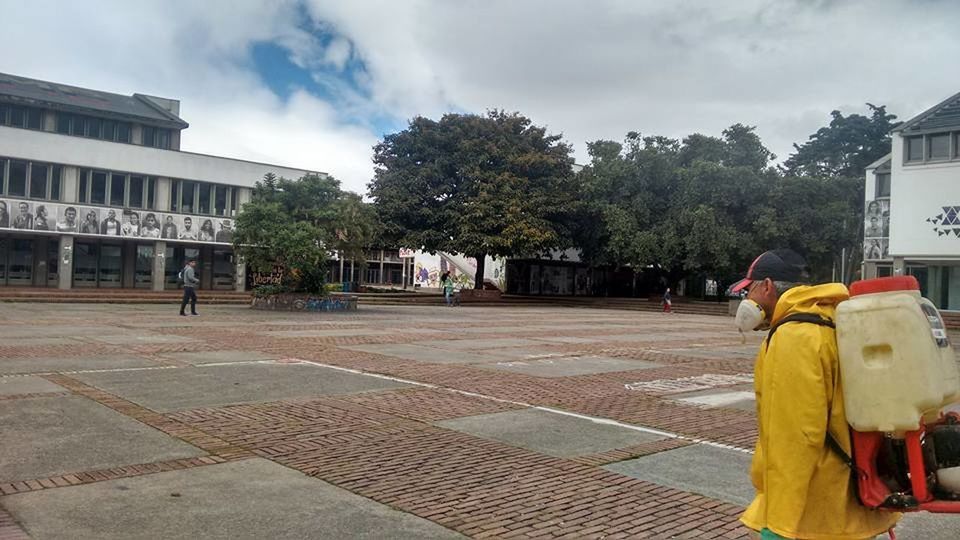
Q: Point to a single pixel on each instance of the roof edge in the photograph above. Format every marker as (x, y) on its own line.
(143, 98)
(879, 162)
(923, 116)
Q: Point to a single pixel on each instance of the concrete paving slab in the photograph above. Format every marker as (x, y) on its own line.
(169, 390)
(643, 338)
(11, 386)
(550, 433)
(570, 366)
(335, 332)
(479, 345)
(11, 332)
(59, 435)
(431, 355)
(719, 399)
(253, 498)
(214, 357)
(715, 472)
(54, 364)
(41, 341)
(568, 339)
(136, 339)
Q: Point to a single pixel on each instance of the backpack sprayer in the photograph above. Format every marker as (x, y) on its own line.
(899, 377)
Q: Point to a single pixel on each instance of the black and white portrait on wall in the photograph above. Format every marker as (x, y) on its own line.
(90, 222)
(44, 218)
(110, 226)
(206, 233)
(875, 249)
(24, 217)
(67, 220)
(151, 226)
(170, 229)
(225, 233)
(131, 224)
(4, 214)
(189, 229)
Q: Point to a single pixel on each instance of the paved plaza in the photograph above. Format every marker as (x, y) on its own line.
(127, 421)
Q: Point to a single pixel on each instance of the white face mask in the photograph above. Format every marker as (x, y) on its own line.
(750, 316)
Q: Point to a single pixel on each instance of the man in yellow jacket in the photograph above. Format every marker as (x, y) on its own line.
(803, 487)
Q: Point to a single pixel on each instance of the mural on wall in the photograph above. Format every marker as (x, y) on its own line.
(428, 268)
(98, 221)
(947, 222)
(876, 230)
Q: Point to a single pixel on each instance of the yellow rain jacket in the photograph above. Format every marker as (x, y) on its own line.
(803, 488)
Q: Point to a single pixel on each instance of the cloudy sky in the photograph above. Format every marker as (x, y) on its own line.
(316, 83)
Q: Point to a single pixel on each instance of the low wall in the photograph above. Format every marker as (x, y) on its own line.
(479, 295)
(305, 302)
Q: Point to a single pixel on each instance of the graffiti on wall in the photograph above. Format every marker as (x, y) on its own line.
(299, 302)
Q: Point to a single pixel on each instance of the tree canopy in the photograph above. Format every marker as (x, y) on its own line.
(298, 223)
(481, 185)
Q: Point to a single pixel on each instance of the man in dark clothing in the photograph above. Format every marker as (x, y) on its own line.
(190, 283)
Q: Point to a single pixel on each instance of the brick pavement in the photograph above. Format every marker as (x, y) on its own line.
(382, 445)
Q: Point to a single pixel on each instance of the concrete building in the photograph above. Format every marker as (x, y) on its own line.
(95, 192)
(912, 223)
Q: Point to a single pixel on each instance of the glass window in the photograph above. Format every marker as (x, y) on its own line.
(123, 132)
(163, 139)
(174, 195)
(136, 191)
(63, 123)
(55, 179)
(220, 201)
(234, 207)
(187, 191)
(38, 181)
(915, 149)
(84, 185)
(118, 188)
(204, 206)
(883, 185)
(17, 184)
(4, 113)
(34, 118)
(94, 128)
(149, 135)
(3, 172)
(151, 190)
(18, 117)
(109, 130)
(78, 126)
(939, 146)
(98, 187)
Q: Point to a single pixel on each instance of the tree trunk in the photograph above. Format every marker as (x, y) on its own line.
(478, 277)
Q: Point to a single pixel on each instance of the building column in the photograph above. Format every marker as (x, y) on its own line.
(382, 279)
(899, 266)
(65, 270)
(240, 277)
(162, 200)
(869, 270)
(158, 275)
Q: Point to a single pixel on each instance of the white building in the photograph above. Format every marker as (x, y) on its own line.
(913, 205)
(95, 192)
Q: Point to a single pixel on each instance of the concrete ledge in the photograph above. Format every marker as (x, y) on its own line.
(305, 302)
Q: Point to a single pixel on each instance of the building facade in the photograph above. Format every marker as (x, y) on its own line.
(912, 218)
(96, 193)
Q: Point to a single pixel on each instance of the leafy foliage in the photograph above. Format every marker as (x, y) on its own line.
(480, 185)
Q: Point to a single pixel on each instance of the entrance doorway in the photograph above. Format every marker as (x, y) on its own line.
(97, 265)
(28, 262)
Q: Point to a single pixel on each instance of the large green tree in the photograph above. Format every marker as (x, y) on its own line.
(492, 184)
(298, 224)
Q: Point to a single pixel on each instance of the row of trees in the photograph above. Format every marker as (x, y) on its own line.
(498, 185)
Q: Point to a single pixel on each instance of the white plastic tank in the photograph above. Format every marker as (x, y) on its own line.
(896, 362)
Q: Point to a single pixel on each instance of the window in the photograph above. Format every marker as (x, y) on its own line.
(94, 128)
(148, 134)
(78, 126)
(220, 201)
(97, 128)
(156, 137)
(123, 132)
(234, 207)
(915, 149)
(187, 191)
(21, 117)
(136, 191)
(939, 146)
(98, 187)
(63, 123)
(174, 195)
(17, 183)
(118, 188)
(204, 206)
(151, 190)
(38, 181)
(84, 185)
(163, 139)
(883, 185)
(109, 130)
(56, 177)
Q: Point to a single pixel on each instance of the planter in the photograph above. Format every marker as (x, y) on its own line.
(479, 295)
(305, 302)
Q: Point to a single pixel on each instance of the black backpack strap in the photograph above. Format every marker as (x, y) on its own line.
(811, 318)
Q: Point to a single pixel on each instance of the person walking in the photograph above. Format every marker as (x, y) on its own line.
(799, 469)
(667, 301)
(190, 283)
(446, 283)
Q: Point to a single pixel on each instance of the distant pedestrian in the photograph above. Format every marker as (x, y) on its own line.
(190, 283)
(446, 283)
(667, 301)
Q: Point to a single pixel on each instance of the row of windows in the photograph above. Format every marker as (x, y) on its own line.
(96, 128)
(191, 197)
(155, 137)
(883, 185)
(28, 179)
(934, 147)
(117, 189)
(21, 117)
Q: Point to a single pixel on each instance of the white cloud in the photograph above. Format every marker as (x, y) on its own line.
(588, 69)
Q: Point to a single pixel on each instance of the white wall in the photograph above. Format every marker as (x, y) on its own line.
(919, 192)
(69, 150)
